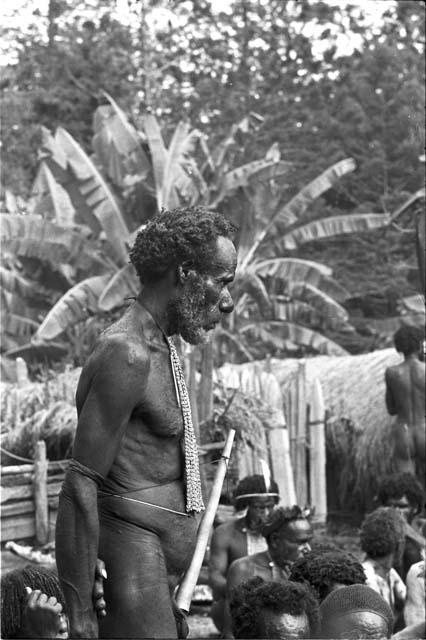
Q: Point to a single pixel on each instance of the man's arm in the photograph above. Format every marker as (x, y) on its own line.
(218, 563)
(238, 572)
(390, 401)
(117, 381)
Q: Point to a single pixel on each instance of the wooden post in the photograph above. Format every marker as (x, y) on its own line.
(40, 493)
(300, 436)
(278, 439)
(317, 478)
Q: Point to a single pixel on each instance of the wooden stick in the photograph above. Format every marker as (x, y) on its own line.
(40, 493)
(187, 586)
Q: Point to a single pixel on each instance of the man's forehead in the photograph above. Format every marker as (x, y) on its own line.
(225, 256)
(298, 529)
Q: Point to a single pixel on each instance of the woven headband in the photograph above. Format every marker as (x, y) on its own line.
(257, 495)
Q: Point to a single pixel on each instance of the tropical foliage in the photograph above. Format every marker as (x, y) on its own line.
(79, 229)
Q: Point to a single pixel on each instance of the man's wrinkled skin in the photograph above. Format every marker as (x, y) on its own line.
(229, 542)
(405, 399)
(357, 625)
(284, 625)
(129, 432)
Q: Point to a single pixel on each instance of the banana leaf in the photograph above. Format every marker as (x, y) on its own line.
(325, 305)
(97, 195)
(158, 153)
(290, 212)
(118, 146)
(281, 331)
(32, 236)
(19, 326)
(12, 281)
(331, 227)
(50, 200)
(123, 284)
(72, 307)
(178, 167)
(240, 177)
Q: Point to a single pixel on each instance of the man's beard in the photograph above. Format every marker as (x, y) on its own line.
(189, 313)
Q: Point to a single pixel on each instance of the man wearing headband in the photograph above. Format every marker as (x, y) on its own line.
(288, 533)
(356, 611)
(240, 536)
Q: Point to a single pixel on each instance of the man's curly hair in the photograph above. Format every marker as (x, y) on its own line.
(171, 238)
(396, 485)
(251, 598)
(382, 532)
(279, 518)
(252, 484)
(408, 339)
(323, 570)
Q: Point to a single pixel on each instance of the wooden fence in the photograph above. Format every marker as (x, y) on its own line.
(29, 498)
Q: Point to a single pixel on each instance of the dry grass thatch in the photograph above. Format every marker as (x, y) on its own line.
(358, 429)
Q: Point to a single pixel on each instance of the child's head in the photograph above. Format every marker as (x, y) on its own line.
(14, 595)
(383, 533)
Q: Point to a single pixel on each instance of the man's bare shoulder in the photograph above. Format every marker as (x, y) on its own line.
(226, 529)
(118, 350)
(241, 565)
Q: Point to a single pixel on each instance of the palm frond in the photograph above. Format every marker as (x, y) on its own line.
(72, 307)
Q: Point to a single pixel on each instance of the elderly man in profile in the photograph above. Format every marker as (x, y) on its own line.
(132, 492)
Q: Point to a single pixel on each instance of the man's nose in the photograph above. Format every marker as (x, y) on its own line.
(306, 547)
(226, 304)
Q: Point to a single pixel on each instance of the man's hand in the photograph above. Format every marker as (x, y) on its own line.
(43, 617)
(181, 623)
(98, 589)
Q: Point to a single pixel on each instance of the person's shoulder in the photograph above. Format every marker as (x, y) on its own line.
(417, 570)
(225, 531)
(122, 349)
(241, 564)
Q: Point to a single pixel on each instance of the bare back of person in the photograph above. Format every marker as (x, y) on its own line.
(405, 398)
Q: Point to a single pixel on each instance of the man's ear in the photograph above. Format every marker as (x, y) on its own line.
(184, 270)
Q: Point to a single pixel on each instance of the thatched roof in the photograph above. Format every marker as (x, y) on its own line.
(358, 429)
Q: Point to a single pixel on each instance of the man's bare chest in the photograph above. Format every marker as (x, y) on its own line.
(159, 408)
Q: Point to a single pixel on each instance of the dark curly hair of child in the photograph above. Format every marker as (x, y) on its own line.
(397, 485)
(322, 571)
(171, 238)
(382, 532)
(250, 598)
(14, 596)
(408, 340)
(253, 484)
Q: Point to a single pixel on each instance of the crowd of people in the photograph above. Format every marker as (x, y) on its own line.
(297, 586)
(272, 576)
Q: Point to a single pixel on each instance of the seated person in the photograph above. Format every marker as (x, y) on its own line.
(403, 492)
(273, 610)
(356, 611)
(382, 539)
(288, 533)
(239, 536)
(33, 605)
(325, 572)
